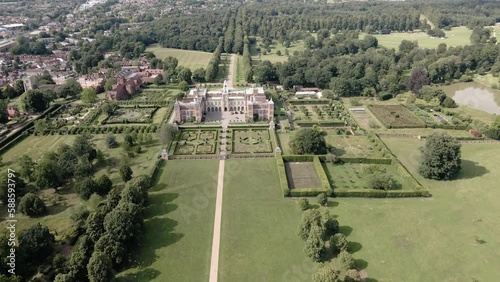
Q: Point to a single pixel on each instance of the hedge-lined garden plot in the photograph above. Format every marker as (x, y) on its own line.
(196, 142)
(352, 146)
(251, 140)
(395, 116)
(301, 175)
(132, 115)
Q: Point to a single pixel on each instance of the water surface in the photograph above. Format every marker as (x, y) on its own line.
(475, 95)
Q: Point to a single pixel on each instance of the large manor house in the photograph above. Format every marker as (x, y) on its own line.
(251, 101)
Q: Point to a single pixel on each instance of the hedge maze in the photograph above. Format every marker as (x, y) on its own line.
(196, 142)
(396, 116)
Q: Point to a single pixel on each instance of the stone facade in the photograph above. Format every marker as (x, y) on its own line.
(251, 101)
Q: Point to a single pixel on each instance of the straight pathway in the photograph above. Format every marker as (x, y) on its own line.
(214, 261)
(230, 74)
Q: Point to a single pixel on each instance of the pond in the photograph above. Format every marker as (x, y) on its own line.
(475, 95)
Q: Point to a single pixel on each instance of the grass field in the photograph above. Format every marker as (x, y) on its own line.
(187, 58)
(457, 36)
(179, 224)
(259, 241)
(272, 56)
(35, 146)
(432, 239)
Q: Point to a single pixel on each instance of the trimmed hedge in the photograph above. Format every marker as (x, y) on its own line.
(282, 175)
(370, 193)
(298, 158)
(309, 101)
(325, 123)
(325, 184)
(309, 192)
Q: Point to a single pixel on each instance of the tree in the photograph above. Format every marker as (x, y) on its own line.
(47, 174)
(338, 243)
(104, 185)
(352, 275)
(34, 101)
(310, 218)
(315, 246)
(4, 189)
(440, 157)
(26, 167)
(125, 172)
(417, 79)
(382, 181)
(89, 96)
(199, 75)
(111, 141)
(31, 205)
(167, 133)
(322, 199)
(406, 46)
(70, 88)
(185, 75)
(109, 84)
(135, 193)
(112, 247)
(36, 243)
(109, 108)
(346, 260)
(4, 117)
(19, 87)
(94, 225)
(327, 273)
(448, 102)
(304, 204)
(79, 215)
(85, 187)
(100, 268)
(184, 86)
(308, 141)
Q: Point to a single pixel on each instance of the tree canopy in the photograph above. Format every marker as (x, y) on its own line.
(308, 141)
(440, 157)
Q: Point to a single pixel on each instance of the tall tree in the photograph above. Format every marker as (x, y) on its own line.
(100, 268)
(417, 79)
(440, 157)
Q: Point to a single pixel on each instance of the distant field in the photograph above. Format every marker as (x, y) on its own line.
(457, 36)
(187, 58)
(272, 56)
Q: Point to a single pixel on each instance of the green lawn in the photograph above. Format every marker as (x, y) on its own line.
(35, 146)
(432, 239)
(187, 58)
(259, 241)
(457, 36)
(179, 224)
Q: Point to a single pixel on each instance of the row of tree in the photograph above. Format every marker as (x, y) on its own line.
(213, 65)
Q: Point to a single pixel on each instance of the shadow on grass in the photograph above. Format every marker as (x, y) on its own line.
(55, 209)
(158, 233)
(354, 247)
(338, 151)
(360, 264)
(471, 170)
(346, 230)
(158, 187)
(160, 204)
(147, 274)
(332, 204)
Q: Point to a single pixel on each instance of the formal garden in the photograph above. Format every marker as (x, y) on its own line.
(196, 142)
(251, 140)
(131, 115)
(395, 116)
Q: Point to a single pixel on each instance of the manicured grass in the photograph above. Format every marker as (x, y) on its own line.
(187, 58)
(259, 241)
(457, 36)
(179, 224)
(432, 239)
(284, 139)
(239, 75)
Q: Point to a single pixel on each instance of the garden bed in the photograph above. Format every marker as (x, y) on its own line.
(195, 142)
(396, 116)
(251, 141)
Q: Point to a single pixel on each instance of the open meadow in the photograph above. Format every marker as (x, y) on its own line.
(272, 56)
(457, 36)
(432, 239)
(178, 224)
(187, 58)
